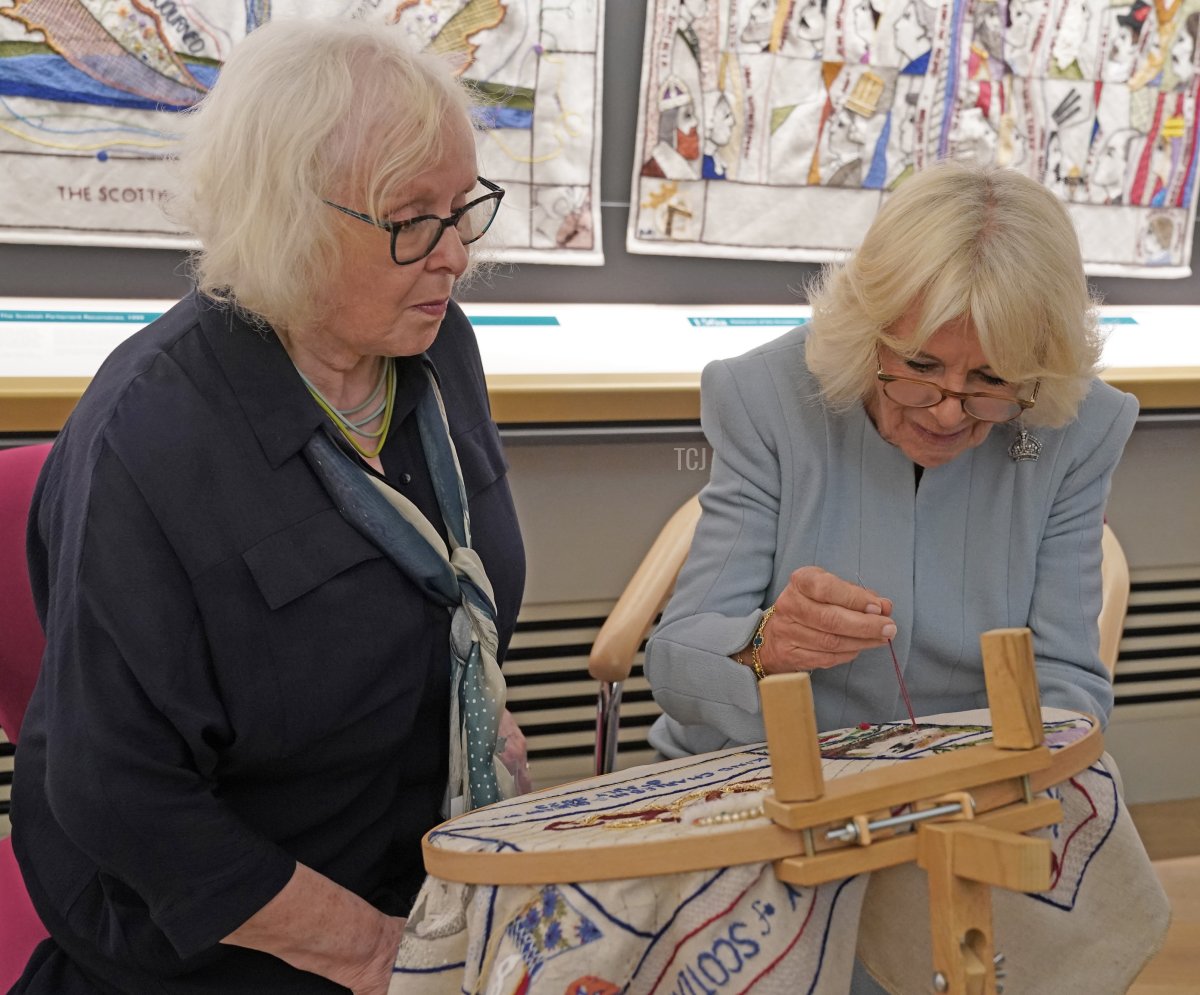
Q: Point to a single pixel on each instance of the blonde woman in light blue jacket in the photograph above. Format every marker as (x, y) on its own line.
(928, 459)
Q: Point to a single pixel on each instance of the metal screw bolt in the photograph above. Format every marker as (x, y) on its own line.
(940, 984)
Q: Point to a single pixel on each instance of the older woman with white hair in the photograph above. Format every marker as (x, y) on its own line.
(928, 459)
(275, 553)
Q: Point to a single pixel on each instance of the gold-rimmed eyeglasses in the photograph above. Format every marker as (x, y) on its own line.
(980, 406)
(415, 238)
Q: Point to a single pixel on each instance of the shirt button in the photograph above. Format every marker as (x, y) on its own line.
(405, 478)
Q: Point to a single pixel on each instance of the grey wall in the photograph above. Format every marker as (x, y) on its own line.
(49, 271)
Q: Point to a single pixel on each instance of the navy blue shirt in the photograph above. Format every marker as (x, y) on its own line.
(235, 679)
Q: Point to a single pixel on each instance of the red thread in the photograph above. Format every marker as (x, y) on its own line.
(1094, 814)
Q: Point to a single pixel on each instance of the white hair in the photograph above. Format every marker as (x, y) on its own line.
(304, 110)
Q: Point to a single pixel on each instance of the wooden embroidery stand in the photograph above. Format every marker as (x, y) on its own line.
(962, 851)
(959, 814)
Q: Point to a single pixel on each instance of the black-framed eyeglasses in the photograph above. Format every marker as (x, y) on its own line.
(415, 238)
(980, 406)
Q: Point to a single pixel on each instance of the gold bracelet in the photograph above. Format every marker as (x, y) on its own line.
(756, 644)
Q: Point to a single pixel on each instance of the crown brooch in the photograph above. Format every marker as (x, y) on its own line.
(1025, 447)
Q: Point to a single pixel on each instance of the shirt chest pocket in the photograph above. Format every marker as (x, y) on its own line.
(302, 557)
(481, 457)
(344, 639)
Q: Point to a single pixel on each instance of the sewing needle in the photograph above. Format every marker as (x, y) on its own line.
(903, 687)
(899, 676)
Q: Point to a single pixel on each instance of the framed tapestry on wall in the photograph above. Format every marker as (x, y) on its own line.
(90, 90)
(773, 129)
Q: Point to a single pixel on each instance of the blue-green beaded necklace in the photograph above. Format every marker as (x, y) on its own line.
(350, 426)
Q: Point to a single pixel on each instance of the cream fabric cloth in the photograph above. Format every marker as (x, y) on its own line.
(739, 928)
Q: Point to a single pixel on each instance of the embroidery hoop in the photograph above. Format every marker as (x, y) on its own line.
(971, 806)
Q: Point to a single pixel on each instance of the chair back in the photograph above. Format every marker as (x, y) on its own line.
(23, 642)
(20, 658)
(1114, 583)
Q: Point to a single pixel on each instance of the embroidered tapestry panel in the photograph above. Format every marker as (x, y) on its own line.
(774, 129)
(90, 90)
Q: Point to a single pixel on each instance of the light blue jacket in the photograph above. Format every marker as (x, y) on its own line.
(983, 543)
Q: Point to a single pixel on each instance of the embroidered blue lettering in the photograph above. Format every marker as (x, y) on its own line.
(747, 946)
(700, 986)
(727, 955)
(718, 966)
(682, 985)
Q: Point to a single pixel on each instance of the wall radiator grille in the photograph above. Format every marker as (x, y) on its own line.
(1160, 645)
(554, 698)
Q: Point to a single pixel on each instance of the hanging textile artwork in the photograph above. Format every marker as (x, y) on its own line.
(773, 129)
(89, 90)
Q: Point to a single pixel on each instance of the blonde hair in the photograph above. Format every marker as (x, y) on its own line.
(963, 240)
(304, 110)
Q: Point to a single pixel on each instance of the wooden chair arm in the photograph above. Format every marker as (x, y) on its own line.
(622, 633)
(1114, 581)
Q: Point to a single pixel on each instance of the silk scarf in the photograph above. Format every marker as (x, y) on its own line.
(449, 574)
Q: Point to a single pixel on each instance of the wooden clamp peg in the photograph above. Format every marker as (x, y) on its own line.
(791, 723)
(962, 861)
(1011, 678)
